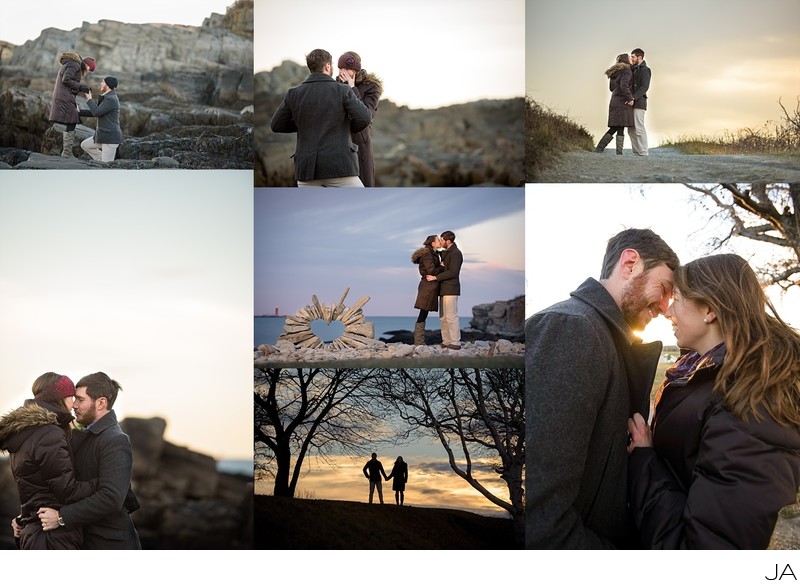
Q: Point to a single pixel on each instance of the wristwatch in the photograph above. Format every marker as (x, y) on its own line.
(61, 522)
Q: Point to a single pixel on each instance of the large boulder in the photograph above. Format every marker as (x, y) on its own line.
(473, 144)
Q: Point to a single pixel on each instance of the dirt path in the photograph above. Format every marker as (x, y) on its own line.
(665, 165)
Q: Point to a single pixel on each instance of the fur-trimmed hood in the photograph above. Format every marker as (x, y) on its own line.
(416, 257)
(69, 56)
(365, 77)
(617, 67)
(24, 417)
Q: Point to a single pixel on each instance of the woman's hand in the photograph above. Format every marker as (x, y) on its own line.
(346, 76)
(640, 433)
(89, 95)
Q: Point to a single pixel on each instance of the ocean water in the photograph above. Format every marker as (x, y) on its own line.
(267, 329)
(236, 466)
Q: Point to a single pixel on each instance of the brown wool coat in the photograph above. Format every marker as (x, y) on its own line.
(429, 265)
(620, 79)
(63, 107)
(368, 89)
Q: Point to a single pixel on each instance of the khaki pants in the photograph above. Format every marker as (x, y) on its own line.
(345, 182)
(448, 312)
(99, 151)
(638, 134)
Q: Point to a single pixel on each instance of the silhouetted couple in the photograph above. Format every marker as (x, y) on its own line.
(373, 471)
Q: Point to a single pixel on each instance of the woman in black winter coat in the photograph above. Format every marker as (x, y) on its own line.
(36, 437)
(722, 456)
(368, 87)
(430, 264)
(620, 107)
(400, 475)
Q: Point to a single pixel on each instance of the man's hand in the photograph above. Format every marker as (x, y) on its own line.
(48, 518)
(16, 527)
(430, 278)
(89, 95)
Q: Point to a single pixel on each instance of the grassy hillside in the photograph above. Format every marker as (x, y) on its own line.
(547, 135)
(290, 523)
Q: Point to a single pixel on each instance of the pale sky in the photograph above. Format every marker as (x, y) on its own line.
(717, 65)
(144, 275)
(322, 242)
(429, 54)
(567, 227)
(24, 21)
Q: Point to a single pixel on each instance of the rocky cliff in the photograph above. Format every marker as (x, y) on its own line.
(185, 92)
(186, 502)
(478, 143)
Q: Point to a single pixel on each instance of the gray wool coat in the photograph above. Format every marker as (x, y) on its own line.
(104, 452)
(585, 375)
(323, 113)
(106, 109)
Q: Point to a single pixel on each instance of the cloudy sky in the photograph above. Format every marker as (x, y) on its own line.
(24, 21)
(429, 54)
(717, 65)
(145, 275)
(322, 242)
(568, 226)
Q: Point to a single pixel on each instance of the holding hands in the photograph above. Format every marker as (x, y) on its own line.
(430, 278)
(640, 433)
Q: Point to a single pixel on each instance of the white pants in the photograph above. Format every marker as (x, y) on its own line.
(343, 182)
(448, 312)
(638, 134)
(99, 151)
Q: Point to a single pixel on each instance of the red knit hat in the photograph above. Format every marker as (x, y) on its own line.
(61, 388)
(90, 63)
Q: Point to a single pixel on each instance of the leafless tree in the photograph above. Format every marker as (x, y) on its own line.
(475, 413)
(767, 213)
(300, 412)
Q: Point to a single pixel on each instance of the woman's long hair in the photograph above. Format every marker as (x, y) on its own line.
(623, 58)
(761, 371)
(429, 241)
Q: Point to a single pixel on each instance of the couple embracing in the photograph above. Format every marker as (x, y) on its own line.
(720, 456)
(74, 482)
(439, 261)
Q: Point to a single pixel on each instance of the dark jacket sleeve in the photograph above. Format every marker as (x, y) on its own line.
(282, 121)
(359, 114)
(56, 467)
(71, 78)
(625, 84)
(115, 459)
(739, 484)
(563, 397)
(104, 107)
(644, 83)
(370, 96)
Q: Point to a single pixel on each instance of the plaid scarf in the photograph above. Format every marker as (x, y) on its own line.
(683, 369)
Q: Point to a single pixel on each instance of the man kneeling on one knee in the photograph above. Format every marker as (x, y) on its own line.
(103, 145)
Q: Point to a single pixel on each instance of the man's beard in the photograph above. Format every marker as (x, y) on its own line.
(634, 302)
(88, 417)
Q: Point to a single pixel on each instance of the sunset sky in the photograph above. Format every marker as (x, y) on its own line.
(321, 242)
(24, 21)
(716, 65)
(429, 54)
(568, 226)
(145, 275)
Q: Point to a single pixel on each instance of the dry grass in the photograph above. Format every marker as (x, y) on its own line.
(774, 138)
(548, 134)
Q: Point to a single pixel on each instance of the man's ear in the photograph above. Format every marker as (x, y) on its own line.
(628, 261)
